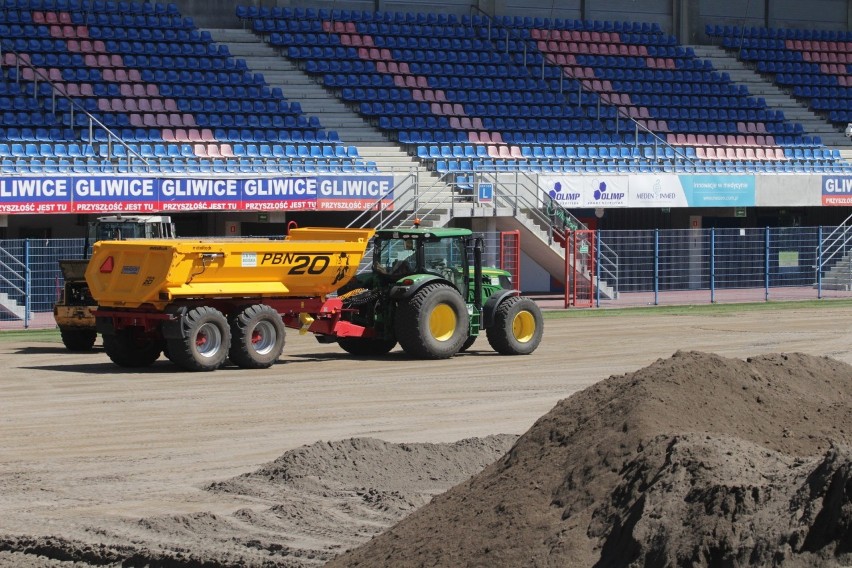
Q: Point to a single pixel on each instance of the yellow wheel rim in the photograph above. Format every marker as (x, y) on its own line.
(523, 326)
(442, 322)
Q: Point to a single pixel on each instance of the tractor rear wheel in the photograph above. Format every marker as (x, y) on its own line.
(205, 339)
(127, 348)
(257, 337)
(433, 323)
(366, 346)
(78, 339)
(517, 327)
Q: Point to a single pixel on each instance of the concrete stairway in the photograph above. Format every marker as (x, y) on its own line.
(318, 101)
(11, 307)
(776, 98)
(839, 276)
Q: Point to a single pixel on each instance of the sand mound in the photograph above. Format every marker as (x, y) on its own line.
(695, 460)
(308, 506)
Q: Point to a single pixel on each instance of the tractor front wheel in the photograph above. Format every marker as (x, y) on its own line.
(78, 339)
(128, 348)
(517, 327)
(257, 337)
(205, 339)
(433, 323)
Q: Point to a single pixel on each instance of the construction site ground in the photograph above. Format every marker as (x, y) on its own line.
(92, 453)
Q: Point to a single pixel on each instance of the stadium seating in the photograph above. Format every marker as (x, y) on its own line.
(539, 95)
(815, 65)
(171, 96)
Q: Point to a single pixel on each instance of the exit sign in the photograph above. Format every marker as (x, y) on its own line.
(740, 212)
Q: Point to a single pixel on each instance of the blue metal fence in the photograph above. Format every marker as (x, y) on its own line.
(721, 265)
(652, 267)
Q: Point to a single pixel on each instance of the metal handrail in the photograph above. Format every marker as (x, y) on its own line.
(835, 243)
(93, 121)
(9, 258)
(582, 89)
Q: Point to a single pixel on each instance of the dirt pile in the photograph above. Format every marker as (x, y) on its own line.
(307, 506)
(695, 460)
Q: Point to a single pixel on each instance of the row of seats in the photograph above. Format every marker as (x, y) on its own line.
(190, 166)
(720, 31)
(609, 166)
(95, 6)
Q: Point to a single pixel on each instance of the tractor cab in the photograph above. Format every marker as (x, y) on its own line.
(442, 252)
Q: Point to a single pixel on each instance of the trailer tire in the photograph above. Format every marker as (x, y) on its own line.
(126, 348)
(366, 346)
(78, 339)
(517, 326)
(205, 340)
(257, 337)
(433, 323)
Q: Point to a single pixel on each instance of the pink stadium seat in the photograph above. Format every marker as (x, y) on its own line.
(200, 150)
(168, 135)
(104, 105)
(157, 105)
(226, 151)
(206, 133)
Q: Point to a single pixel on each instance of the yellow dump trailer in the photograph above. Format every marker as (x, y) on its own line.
(202, 302)
(309, 262)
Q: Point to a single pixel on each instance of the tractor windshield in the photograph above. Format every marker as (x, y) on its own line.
(444, 257)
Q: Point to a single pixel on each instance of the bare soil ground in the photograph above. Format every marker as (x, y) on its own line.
(296, 464)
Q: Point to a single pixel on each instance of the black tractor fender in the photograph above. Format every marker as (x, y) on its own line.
(402, 292)
(491, 305)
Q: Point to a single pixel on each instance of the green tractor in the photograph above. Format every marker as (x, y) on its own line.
(428, 292)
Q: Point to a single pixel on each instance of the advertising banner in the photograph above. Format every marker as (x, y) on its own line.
(718, 191)
(35, 195)
(837, 190)
(664, 190)
(150, 195)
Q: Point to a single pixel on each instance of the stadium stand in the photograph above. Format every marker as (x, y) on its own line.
(91, 86)
(540, 95)
(87, 86)
(814, 65)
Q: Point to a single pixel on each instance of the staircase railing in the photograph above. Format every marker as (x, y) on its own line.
(515, 193)
(835, 245)
(74, 106)
(15, 275)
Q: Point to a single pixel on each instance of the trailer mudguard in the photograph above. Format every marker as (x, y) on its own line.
(491, 305)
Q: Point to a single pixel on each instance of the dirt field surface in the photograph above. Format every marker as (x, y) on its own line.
(293, 465)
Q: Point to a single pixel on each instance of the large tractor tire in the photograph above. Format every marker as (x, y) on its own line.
(366, 347)
(468, 343)
(78, 339)
(257, 337)
(517, 327)
(205, 340)
(126, 348)
(433, 323)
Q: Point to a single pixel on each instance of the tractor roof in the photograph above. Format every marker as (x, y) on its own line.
(421, 233)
